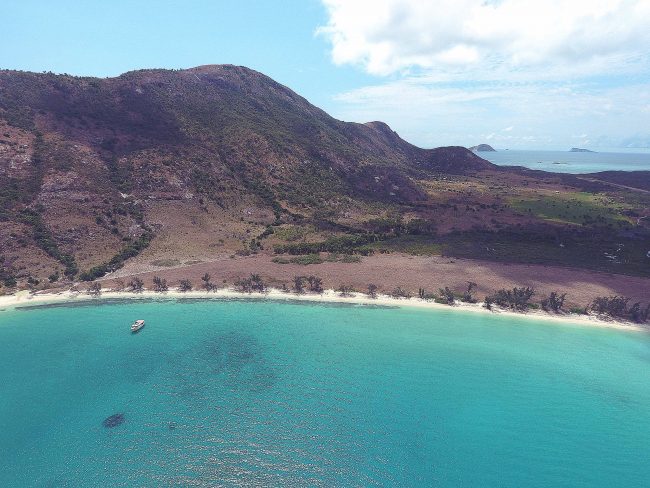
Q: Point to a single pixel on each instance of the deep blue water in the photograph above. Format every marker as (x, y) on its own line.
(244, 393)
(570, 162)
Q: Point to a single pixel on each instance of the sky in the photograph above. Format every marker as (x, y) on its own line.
(518, 74)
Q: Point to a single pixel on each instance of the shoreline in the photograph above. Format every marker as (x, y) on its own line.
(26, 299)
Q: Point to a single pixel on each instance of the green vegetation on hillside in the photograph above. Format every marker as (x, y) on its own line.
(574, 208)
(46, 241)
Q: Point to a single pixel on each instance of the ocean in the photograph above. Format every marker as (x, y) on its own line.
(263, 393)
(571, 162)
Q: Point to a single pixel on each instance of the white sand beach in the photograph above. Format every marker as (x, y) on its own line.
(25, 298)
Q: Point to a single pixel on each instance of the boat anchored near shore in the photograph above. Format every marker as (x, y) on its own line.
(137, 325)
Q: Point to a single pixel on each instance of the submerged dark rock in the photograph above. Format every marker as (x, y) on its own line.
(113, 420)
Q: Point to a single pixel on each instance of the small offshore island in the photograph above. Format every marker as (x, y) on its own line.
(482, 148)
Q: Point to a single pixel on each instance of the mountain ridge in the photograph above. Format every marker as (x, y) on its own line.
(84, 154)
(223, 160)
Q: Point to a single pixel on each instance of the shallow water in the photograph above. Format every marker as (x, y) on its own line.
(571, 162)
(244, 393)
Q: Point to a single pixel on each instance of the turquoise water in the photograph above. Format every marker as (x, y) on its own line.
(571, 162)
(245, 393)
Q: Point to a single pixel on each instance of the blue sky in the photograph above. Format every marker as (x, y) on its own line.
(515, 73)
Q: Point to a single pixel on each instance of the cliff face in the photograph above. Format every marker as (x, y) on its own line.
(81, 157)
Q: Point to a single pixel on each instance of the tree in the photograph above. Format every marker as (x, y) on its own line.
(257, 283)
(32, 282)
(468, 296)
(94, 289)
(424, 295)
(185, 285)
(207, 284)
(345, 290)
(516, 299)
(244, 285)
(448, 295)
(253, 283)
(159, 284)
(400, 292)
(613, 306)
(616, 306)
(372, 291)
(315, 284)
(299, 284)
(136, 285)
(638, 314)
(553, 302)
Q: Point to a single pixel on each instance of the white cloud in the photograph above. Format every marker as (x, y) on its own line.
(545, 116)
(455, 71)
(388, 36)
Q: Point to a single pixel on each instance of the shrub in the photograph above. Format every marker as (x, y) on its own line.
(136, 285)
(554, 302)
(345, 290)
(616, 307)
(447, 295)
(613, 306)
(315, 284)
(244, 285)
(159, 284)
(488, 303)
(94, 289)
(347, 244)
(257, 284)
(637, 314)
(130, 250)
(253, 283)
(350, 258)
(516, 299)
(185, 285)
(46, 242)
(468, 295)
(298, 284)
(207, 284)
(578, 310)
(400, 292)
(423, 295)
(372, 291)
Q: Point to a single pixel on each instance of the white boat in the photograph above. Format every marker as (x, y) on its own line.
(137, 325)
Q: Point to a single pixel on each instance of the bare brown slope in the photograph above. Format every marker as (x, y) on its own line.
(84, 161)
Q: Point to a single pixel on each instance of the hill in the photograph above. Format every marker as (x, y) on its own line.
(163, 169)
(482, 148)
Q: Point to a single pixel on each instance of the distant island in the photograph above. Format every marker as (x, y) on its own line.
(482, 148)
(579, 149)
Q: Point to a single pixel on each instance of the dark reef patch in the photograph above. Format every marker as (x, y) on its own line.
(114, 420)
